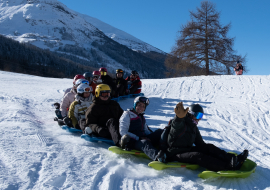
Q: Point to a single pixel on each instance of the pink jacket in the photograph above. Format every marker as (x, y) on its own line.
(67, 100)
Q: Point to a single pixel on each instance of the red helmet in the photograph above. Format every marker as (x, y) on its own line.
(95, 73)
(103, 69)
(77, 77)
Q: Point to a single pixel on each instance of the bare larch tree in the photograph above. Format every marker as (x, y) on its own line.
(203, 46)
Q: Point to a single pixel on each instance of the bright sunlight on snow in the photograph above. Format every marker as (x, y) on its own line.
(37, 154)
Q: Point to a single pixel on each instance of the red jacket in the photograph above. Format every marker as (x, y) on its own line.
(136, 85)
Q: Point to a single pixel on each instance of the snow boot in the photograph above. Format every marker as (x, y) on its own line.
(124, 142)
(88, 131)
(68, 122)
(241, 159)
(161, 157)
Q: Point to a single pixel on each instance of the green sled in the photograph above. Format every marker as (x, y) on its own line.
(160, 166)
(118, 150)
(246, 170)
(155, 164)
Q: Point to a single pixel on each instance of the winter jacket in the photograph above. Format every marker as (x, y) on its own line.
(67, 100)
(78, 108)
(121, 85)
(93, 85)
(133, 125)
(67, 91)
(100, 112)
(136, 85)
(109, 81)
(238, 68)
(183, 134)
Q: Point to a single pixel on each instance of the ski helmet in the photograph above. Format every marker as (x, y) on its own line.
(134, 72)
(103, 69)
(84, 88)
(77, 77)
(87, 76)
(119, 71)
(141, 99)
(102, 88)
(81, 81)
(96, 73)
(196, 110)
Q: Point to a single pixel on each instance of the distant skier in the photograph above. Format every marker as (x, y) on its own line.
(121, 83)
(106, 79)
(78, 107)
(87, 76)
(135, 132)
(135, 83)
(96, 77)
(183, 133)
(238, 68)
(102, 117)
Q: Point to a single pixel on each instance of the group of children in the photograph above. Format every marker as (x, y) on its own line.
(94, 112)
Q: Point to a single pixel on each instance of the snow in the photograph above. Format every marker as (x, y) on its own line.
(37, 154)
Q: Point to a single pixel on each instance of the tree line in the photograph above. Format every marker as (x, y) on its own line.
(29, 59)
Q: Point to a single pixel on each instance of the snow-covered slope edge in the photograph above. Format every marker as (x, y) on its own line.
(37, 154)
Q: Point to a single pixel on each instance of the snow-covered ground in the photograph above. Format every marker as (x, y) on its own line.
(36, 154)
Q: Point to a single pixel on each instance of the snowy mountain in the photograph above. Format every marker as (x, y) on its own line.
(37, 154)
(49, 24)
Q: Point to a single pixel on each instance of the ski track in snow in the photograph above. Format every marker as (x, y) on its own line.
(37, 154)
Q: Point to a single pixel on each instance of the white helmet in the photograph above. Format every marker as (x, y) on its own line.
(84, 88)
(81, 81)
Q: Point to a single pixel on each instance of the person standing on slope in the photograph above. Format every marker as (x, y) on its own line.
(135, 132)
(106, 79)
(87, 76)
(121, 83)
(135, 83)
(239, 68)
(102, 117)
(183, 133)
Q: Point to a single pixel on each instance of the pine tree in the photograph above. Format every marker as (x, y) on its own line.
(203, 46)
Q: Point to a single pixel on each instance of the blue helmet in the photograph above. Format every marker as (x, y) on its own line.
(141, 99)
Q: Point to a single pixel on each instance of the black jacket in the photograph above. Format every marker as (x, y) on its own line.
(183, 134)
(100, 112)
(109, 81)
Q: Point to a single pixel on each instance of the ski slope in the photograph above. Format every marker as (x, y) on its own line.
(37, 154)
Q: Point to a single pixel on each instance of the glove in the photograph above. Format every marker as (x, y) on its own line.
(180, 111)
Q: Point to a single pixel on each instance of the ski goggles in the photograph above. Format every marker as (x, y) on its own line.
(144, 100)
(197, 115)
(87, 90)
(105, 93)
(95, 77)
(103, 72)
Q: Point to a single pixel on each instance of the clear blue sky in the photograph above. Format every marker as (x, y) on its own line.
(158, 21)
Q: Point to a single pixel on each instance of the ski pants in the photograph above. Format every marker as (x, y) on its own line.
(208, 156)
(147, 146)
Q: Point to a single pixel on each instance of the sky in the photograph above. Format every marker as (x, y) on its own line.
(157, 22)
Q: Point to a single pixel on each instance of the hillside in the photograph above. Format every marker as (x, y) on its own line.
(37, 154)
(49, 24)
